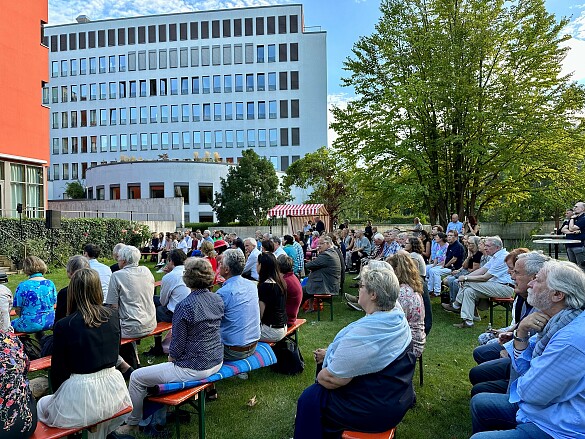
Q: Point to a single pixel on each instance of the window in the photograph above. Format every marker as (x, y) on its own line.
(259, 54)
(112, 90)
(239, 111)
(54, 95)
(240, 138)
(92, 66)
(122, 63)
(162, 59)
(74, 64)
(270, 25)
(248, 27)
(132, 89)
(284, 137)
(294, 108)
(54, 69)
(185, 116)
(271, 53)
(197, 139)
(186, 138)
(217, 111)
(226, 28)
(74, 145)
(227, 54)
(294, 51)
(261, 110)
(282, 24)
(102, 61)
(294, 80)
(115, 192)
(152, 59)
(206, 112)
(56, 175)
(93, 144)
(152, 34)
(239, 82)
(133, 142)
(64, 67)
(73, 119)
(237, 27)
(83, 144)
(261, 80)
(56, 145)
(157, 190)
(194, 30)
(103, 90)
(143, 141)
(272, 137)
(122, 89)
(184, 86)
(143, 115)
(282, 52)
(153, 114)
(164, 113)
(64, 94)
(228, 111)
(103, 143)
(174, 113)
(283, 80)
(154, 141)
(294, 24)
(103, 117)
(113, 116)
(196, 109)
(229, 139)
(227, 83)
(55, 120)
(142, 85)
(83, 66)
(153, 87)
(133, 192)
(73, 93)
(296, 136)
(272, 109)
(205, 30)
(250, 82)
(205, 56)
(217, 83)
(133, 115)
(92, 118)
(163, 87)
(174, 86)
(237, 54)
(74, 171)
(261, 138)
(121, 37)
(194, 56)
(123, 142)
(206, 84)
(123, 116)
(249, 53)
(205, 193)
(218, 139)
(65, 145)
(92, 92)
(251, 135)
(131, 61)
(64, 119)
(112, 64)
(283, 109)
(111, 37)
(216, 55)
(207, 139)
(131, 35)
(195, 85)
(83, 117)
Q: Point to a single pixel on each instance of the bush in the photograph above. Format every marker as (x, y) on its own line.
(69, 239)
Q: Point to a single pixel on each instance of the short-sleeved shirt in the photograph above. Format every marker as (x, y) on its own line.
(455, 226)
(498, 268)
(579, 222)
(132, 289)
(36, 300)
(455, 250)
(274, 301)
(196, 340)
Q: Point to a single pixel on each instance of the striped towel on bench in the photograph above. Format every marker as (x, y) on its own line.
(264, 356)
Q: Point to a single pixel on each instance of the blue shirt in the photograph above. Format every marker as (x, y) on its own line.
(240, 325)
(455, 226)
(36, 300)
(196, 340)
(551, 388)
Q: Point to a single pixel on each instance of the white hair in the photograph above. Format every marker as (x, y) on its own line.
(130, 254)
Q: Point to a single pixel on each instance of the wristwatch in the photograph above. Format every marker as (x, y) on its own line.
(520, 339)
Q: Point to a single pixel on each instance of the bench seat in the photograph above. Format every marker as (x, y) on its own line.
(357, 435)
(160, 328)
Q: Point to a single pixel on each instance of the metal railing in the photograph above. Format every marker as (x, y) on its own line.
(127, 215)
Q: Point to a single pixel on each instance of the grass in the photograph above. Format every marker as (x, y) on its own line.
(441, 412)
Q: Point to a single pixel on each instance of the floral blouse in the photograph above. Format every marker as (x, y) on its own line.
(36, 300)
(412, 305)
(14, 390)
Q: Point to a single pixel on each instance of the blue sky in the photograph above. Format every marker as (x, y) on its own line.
(344, 20)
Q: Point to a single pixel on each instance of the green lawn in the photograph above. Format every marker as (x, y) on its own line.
(441, 412)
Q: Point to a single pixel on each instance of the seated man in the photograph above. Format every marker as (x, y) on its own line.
(172, 291)
(453, 261)
(324, 272)
(493, 370)
(240, 325)
(131, 291)
(491, 280)
(361, 249)
(548, 352)
(92, 252)
(252, 252)
(115, 267)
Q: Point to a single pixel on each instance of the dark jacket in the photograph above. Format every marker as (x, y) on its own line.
(325, 273)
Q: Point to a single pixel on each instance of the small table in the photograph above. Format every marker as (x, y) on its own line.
(556, 242)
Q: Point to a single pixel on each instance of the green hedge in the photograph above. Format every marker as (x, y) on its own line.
(69, 239)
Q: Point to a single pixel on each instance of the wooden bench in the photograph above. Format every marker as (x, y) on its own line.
(40, 364)
(292, 331)
(160, 328)
(45, 432)
(357, 435)
(325, 298)
(506, 302)
(182, 397)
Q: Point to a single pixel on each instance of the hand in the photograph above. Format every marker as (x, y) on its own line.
(319, 355)
(504, 337)
(461, 279)
(504, 354)
(535, 322)
(171, 359)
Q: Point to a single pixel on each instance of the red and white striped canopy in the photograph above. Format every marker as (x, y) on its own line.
(286, 210)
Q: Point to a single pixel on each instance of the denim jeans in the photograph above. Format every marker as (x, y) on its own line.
(522, 431)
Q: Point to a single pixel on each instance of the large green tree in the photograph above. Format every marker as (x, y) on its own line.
(463, 99)
(250, 189)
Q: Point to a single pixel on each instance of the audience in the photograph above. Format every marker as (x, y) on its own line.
(115, 267)
(88, 388)
(324, 272)
(294, 291)
(294, 250)
(272, 299)
(92, 252)
(252, 253)
(453, 261)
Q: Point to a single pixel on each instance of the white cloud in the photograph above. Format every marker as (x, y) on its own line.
(338, 100)
(573, 63)
(65, 11)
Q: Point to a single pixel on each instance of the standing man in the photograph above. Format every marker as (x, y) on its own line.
(92, 252)
(319, 225)
(453, 261)
(455, 224)
(576, 230)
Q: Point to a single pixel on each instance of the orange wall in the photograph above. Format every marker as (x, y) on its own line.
(24, 64)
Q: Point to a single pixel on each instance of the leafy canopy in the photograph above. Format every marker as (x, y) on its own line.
(75, 190)
(247, 193)
(463, 100)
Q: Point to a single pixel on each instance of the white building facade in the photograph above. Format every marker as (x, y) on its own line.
(183, 86)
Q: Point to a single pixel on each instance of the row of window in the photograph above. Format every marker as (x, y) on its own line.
(239, 82)
(177, 140)
(188, 113)
(162, 33)
(174, 58)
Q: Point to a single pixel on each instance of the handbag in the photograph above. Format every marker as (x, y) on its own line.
(289, 360)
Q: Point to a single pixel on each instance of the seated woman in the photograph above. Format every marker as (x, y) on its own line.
(294, 291)
(34, 299)
(209, 253)
(196, 351)
(410, 297)
(18, 419)
(312, 245)
(88, 387)
(5, 307)
(272, 299)
(470, 264)
(364, 380)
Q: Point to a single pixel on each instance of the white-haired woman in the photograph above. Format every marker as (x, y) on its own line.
(364, 380)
